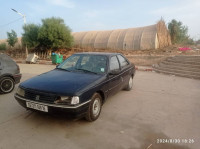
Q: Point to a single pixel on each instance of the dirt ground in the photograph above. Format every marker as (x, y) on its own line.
(141, 57)
(159, 108)
(138, 57)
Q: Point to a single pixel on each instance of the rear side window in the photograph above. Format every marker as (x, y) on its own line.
(7, 61)
(123, 61)
(114, 64)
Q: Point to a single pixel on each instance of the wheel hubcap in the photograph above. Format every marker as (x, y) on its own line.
(130, 82)
(6, 85)
(96, 107)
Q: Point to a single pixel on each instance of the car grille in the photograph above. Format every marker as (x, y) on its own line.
(40, 96)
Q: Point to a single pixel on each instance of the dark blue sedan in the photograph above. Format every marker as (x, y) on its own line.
(79, 86)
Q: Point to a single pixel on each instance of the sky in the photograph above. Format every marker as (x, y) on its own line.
(88, 15)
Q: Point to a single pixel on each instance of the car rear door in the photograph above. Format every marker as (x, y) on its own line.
(114, 79)
(125, 70)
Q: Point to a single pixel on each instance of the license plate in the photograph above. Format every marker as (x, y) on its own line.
(37, 106)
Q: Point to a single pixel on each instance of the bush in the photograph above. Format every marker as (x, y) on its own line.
(2, 46)
(54, 34)
(30, 35)
(12, 38)
(179, 33)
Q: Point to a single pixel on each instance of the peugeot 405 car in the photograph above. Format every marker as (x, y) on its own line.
(9, 74)
(79, 86)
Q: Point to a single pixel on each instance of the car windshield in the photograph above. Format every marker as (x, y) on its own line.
(85, 63)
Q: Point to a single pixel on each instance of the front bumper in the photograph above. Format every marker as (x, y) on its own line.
(69, 111)
(17, 77)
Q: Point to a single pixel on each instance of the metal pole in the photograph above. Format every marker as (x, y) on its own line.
(24, 17)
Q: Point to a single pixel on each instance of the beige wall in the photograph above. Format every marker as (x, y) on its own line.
(141, 38)
(122, 39)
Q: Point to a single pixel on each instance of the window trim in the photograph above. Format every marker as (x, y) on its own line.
(122, 67)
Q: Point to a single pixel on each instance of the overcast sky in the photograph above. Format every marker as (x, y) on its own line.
(86, 15)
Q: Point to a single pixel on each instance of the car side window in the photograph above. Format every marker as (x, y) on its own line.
(123, 61)
(114, 63)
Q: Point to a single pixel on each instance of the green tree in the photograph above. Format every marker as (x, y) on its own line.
(54, 34)
(30, 35)
(2, 46)
(178, 32)
(12, 38)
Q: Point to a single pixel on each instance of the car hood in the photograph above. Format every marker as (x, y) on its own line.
(62, 82)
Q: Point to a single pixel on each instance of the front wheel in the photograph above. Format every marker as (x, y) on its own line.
(94, 109)
(129, 86)
(7, 84)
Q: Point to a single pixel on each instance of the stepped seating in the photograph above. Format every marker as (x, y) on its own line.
(184, 66)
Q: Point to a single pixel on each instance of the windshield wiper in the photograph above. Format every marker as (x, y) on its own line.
(86, 70)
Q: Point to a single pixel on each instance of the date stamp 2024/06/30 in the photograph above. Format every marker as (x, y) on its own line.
(174, 141)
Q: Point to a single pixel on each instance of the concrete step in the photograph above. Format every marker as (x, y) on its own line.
(184, 61)
(183, 68)
(194, 56)
(184, 58)
(173, 71)
(177, 74)
(181, 64)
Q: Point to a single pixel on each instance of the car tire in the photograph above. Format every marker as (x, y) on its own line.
(7, 85)
(94, 109)
(129, 86)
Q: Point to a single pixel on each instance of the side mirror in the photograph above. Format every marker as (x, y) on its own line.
(114, 72)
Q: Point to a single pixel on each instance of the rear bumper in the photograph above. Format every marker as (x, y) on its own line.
(17, 78)
(69, 111)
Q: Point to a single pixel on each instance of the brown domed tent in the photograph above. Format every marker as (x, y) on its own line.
(142, 38)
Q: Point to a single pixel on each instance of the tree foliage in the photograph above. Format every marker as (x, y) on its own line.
(12, 38)
(54, 34)
(30, 35)
(179, 32)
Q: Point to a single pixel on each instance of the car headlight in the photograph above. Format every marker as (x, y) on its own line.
(75, 100)
(67, 100)
(20, 92)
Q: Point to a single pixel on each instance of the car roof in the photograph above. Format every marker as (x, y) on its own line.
(99, 53)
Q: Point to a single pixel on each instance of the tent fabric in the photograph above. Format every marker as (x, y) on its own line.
(149, 37)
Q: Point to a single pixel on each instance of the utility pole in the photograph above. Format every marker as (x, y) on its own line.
(24, 18)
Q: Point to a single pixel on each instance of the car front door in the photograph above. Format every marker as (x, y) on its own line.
(115, 79)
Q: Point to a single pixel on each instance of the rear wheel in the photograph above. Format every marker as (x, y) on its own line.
(94, 109)
(129, 86)
(7, 84)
